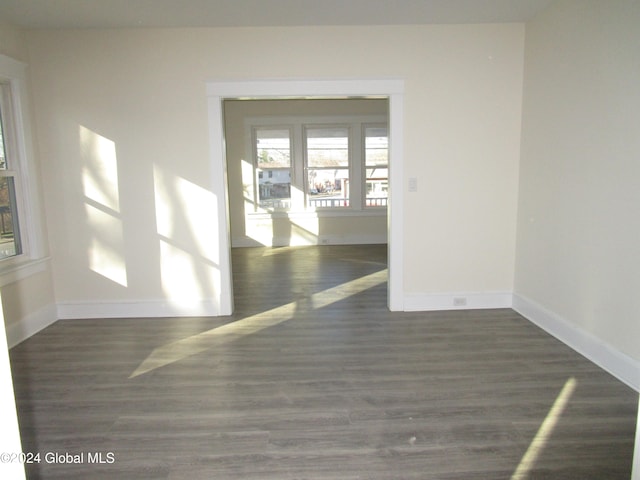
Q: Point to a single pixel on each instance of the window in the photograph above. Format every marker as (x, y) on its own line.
(317, 164)
(10, 242)
(22, 252)
(273, 156)
(327, 166)
(376, 154)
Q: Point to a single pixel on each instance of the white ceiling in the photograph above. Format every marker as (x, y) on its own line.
(233, 13)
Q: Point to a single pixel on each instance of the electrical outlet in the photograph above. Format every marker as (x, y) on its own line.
(459, 301)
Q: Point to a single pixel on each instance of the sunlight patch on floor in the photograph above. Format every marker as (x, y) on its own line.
(545, 431)
(186, 347)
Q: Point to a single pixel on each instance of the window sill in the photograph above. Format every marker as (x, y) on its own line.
(20, 268)
(320, 213)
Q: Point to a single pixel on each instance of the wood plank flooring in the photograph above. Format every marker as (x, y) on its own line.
(313, 378)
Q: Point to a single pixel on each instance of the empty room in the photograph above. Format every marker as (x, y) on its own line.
(320, 240)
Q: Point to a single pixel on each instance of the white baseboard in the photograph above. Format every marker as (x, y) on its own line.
(138, 309)
(621, 366)
(456, 301)
(30, 325)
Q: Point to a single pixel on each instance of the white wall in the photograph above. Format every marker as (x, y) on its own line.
(122, 119)
(579, 219)
(12, 42)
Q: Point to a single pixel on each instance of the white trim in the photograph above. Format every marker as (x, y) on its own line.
(310, 119)
(30, 325)
(621, 366)
(219, 188)
(29, 209)
(395, 207)
(305, 88)
(320, 213)
(29, 262)
(416, 302)
(392, 89)
(19, 271)
(138, 309)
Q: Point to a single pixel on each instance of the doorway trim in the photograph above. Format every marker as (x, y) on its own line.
(392, 89)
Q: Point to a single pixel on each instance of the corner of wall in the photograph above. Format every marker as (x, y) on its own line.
(621, 366)
(31, 324)
(12, 42)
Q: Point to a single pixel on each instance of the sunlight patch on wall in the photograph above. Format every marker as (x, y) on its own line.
(200, 206)
(186, 214)
(99, 169)
(260, 229)
(105, 248)
(106, 245)
(246, 170)
(186, 280)
(179, 281)
(304, 230)
(188, 232)
(165, 217)
(283, 229)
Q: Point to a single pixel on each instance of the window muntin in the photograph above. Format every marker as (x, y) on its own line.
(10, 242)
(327, 166)
(376, 139)
(325, 160)
(273, 168)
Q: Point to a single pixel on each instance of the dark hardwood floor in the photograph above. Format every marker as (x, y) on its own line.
(313, 378)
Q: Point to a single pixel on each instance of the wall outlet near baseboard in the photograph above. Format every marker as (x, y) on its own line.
(459, 301)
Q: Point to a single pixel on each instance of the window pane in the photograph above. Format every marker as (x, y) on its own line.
(274, 148)
(9, 233)
(376, 165)
(274, 168)
(328, 187)
(274, 188)
(328, 147)
(376, 146)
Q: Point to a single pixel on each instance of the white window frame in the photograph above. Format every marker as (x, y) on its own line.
(363, 145)
(23, 170)
(254, 156)
(351, 167)
(297, 126)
